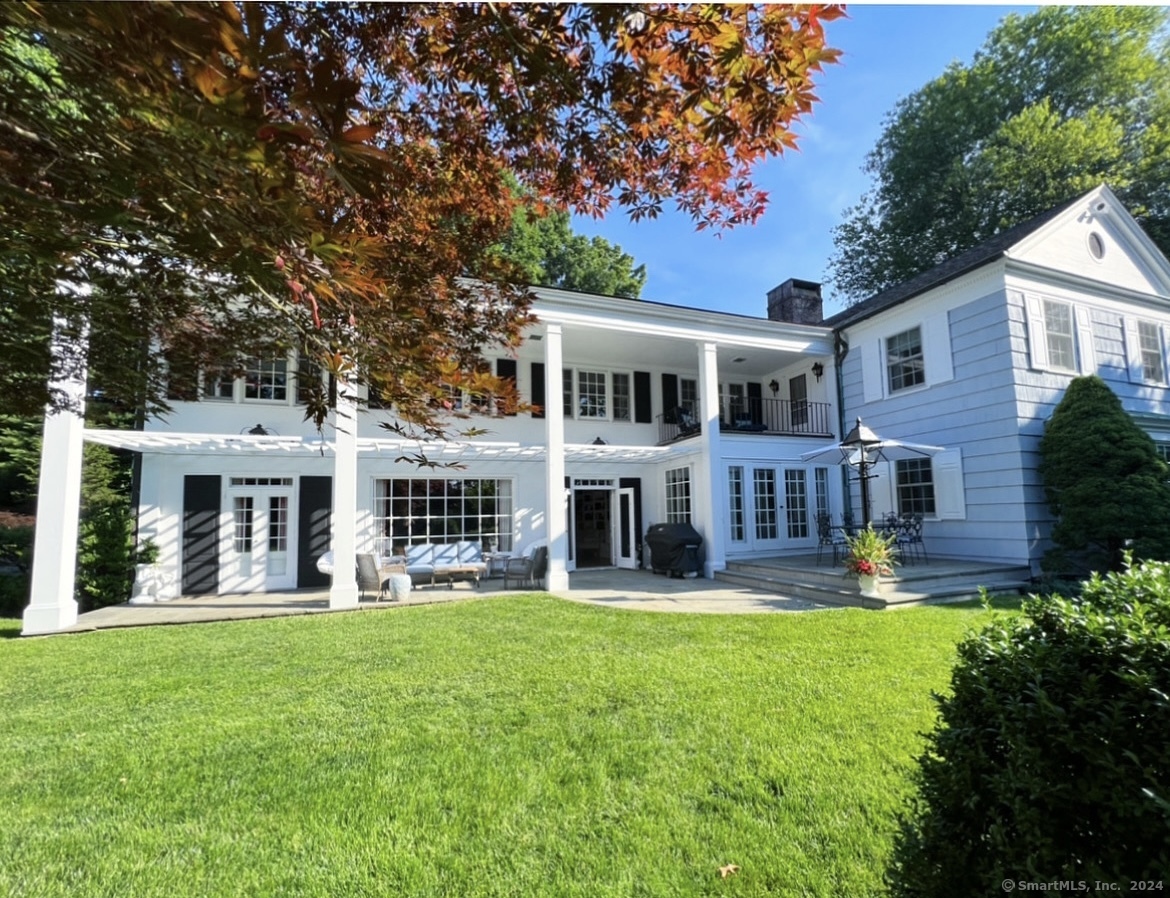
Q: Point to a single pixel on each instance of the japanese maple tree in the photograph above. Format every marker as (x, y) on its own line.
(223, 177)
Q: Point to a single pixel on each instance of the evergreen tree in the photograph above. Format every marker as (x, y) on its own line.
(1104, 482)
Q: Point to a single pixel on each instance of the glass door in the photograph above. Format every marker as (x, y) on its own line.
(255, 541)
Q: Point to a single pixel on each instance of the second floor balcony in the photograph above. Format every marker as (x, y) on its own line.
(750, 415)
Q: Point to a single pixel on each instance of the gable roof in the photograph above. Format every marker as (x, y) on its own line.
(976, 257)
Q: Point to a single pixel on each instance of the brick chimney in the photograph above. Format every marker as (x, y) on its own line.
(798, 302)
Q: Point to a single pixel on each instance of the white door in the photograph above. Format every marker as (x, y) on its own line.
(625, 530)
(768, 509)
(256, 556)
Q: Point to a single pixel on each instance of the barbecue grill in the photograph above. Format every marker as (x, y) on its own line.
(674, 549)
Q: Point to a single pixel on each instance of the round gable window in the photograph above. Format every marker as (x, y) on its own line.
(1096, 245)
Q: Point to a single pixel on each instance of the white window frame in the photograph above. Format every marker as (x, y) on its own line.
(905, 371)
(587, 398)
(629, 395)
(1146, 331)
(677, 495)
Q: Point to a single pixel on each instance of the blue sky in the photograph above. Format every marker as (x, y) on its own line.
(888, 52)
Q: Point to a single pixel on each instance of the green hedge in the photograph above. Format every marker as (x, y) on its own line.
(1051, 758)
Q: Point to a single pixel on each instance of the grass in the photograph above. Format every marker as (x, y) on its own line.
(519, 746)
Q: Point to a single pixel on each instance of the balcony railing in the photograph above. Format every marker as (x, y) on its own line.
(737, 414)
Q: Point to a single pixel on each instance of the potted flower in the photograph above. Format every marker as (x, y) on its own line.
(871, 554)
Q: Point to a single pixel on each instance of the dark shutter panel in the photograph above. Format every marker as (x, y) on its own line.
(538, 388)
(506, 370)
(643, 414)
(755, 398)
(669, 398)
(200, 563)
(635, 483)
(314, 529)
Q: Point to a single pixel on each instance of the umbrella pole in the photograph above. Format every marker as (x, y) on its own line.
(864, 492)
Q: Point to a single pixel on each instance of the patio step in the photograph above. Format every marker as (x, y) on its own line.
(944, 581)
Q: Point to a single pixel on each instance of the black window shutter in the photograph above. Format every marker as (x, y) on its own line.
(506, 370)
(669, 397)
(538, 388)
(200, 561)
(642, 411)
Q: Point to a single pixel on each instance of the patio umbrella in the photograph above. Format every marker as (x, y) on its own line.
(862, 448)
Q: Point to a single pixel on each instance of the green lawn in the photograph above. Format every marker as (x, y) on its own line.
(519, 746)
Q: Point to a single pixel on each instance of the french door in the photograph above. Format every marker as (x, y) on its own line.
(255, 542)
(626, 535)
(768, 508)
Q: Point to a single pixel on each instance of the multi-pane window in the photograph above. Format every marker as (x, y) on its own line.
(1163, 450)
(688, 394)
(821, 479)
(242, 519)
(266, 378)
(591, 394)
(764, 483)
(737, 411)
(1150, 342)
(904, 360)
(796, 503)
(219, 383)
(678, 496)
(567, 391)
(621, 397)
(735, 500)
(915, 485)
(409, 511)
(1058, 334)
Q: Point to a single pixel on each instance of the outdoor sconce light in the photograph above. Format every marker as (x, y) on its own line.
(258, 431)
(774, 386)
(818, 371)
(599, 442)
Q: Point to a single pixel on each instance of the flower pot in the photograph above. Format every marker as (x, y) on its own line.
(871, 585)
(399, 587)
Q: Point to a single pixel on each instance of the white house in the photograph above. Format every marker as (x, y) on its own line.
(242, 495)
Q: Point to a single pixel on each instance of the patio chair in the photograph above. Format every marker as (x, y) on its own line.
(910, 544)
(368, 576)
(527, 569)
(828, 535)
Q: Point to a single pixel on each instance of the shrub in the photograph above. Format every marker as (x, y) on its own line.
(1104, 482)
(1051, 758)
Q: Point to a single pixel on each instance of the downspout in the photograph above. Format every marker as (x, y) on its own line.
(840, 351)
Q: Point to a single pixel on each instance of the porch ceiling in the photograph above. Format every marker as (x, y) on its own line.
(625, 349)
(163, 443)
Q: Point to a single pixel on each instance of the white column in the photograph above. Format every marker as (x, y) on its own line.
(51, 604)
(708, 500)
(344, 592)
(554, 438)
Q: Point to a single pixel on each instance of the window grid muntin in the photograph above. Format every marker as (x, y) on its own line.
(591, 395)
(414, 510)
(796, 503)
(688, 394)
(678, 496)
(915, 485)
(261, 481)
(1058, 334)
(1150, 343)
(904, 360)
(764, 490)
(736, 517)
